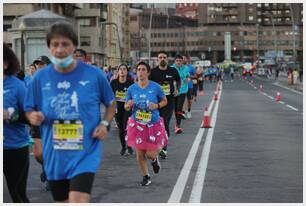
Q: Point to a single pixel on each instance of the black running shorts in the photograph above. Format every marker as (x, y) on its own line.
(81, 183)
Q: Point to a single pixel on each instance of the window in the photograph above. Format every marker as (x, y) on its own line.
(6, 27)
(133, 18)
(250, 9)
(259, 5)
(258, 12)
(251, 18)
(85, 40)
(266, 5)
(288, 19)
(259, 20)
(279, 12)
(287, 11)
(87, 22)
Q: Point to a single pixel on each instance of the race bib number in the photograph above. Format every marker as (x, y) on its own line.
(201, 79)
(194, 81)
(166, 88)
(143, 116)
(120, 96)
(67, 135)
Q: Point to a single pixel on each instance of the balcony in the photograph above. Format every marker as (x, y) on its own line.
(87, 12)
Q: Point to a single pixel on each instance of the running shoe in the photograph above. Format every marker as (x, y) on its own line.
(184, 115)
(146, 180)
(130, 151)
(178, 130)
(163, 154)
(156, 165)
(123, 151)
(188, 115)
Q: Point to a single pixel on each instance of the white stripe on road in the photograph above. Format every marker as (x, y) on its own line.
(198, 184)
(291, 107)
(282, 86)
(281, 102)
(270, 97)
(264, 94)
(179, 186)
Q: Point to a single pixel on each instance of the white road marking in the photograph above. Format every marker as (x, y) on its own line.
(282, 86)
(255, 87)
(198, 184)
(291, 107)
(281, 102)
(180, 184)
(264, 94)
(270, 97)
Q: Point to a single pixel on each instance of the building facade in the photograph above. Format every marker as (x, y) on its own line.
(92, 24)
(255, 29)
(188, 10)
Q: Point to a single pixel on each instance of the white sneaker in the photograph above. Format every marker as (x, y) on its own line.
(188, 115)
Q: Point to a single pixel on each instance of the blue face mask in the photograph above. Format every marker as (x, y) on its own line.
(62, 63)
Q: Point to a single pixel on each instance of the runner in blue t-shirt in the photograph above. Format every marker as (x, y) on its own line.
(180, 99)
(15, 133)
(192, 82)
(64, 100)
(145, 129)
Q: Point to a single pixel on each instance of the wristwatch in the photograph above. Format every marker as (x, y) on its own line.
(105, 123)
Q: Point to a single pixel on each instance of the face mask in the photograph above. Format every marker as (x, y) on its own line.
(62, 63)
(163, 63)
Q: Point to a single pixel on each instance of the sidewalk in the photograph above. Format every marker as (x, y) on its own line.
(283, 79)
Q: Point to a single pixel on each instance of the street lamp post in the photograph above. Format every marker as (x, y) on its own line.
(119, 41)
(22, 46)
(293, 33)
(257, 42)
(274, 31)
(150, 27)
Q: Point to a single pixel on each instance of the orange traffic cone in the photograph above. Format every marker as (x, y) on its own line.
(206, 120)
(278, 97)
(216, 96)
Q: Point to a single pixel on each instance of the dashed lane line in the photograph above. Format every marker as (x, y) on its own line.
(291, 107)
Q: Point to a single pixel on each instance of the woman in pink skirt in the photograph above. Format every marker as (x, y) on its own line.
(145, 129)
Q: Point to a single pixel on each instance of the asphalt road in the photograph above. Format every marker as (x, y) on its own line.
(253, 153)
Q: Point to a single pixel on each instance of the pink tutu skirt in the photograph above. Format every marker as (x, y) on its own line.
(150, 137)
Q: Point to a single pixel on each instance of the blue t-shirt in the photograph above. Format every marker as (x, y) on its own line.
(184, 74)
(192, 72)
(27, 80)
(15, 133)
(142, 97)
(69, 96)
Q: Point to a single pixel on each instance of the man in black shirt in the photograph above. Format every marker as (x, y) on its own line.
(169, 79)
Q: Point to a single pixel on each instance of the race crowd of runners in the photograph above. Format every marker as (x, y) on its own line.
(55, 109)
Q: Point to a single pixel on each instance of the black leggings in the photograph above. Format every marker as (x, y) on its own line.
(166, 114)
(178, 108)
(201, 85)
(16, 169)
(121, 118)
